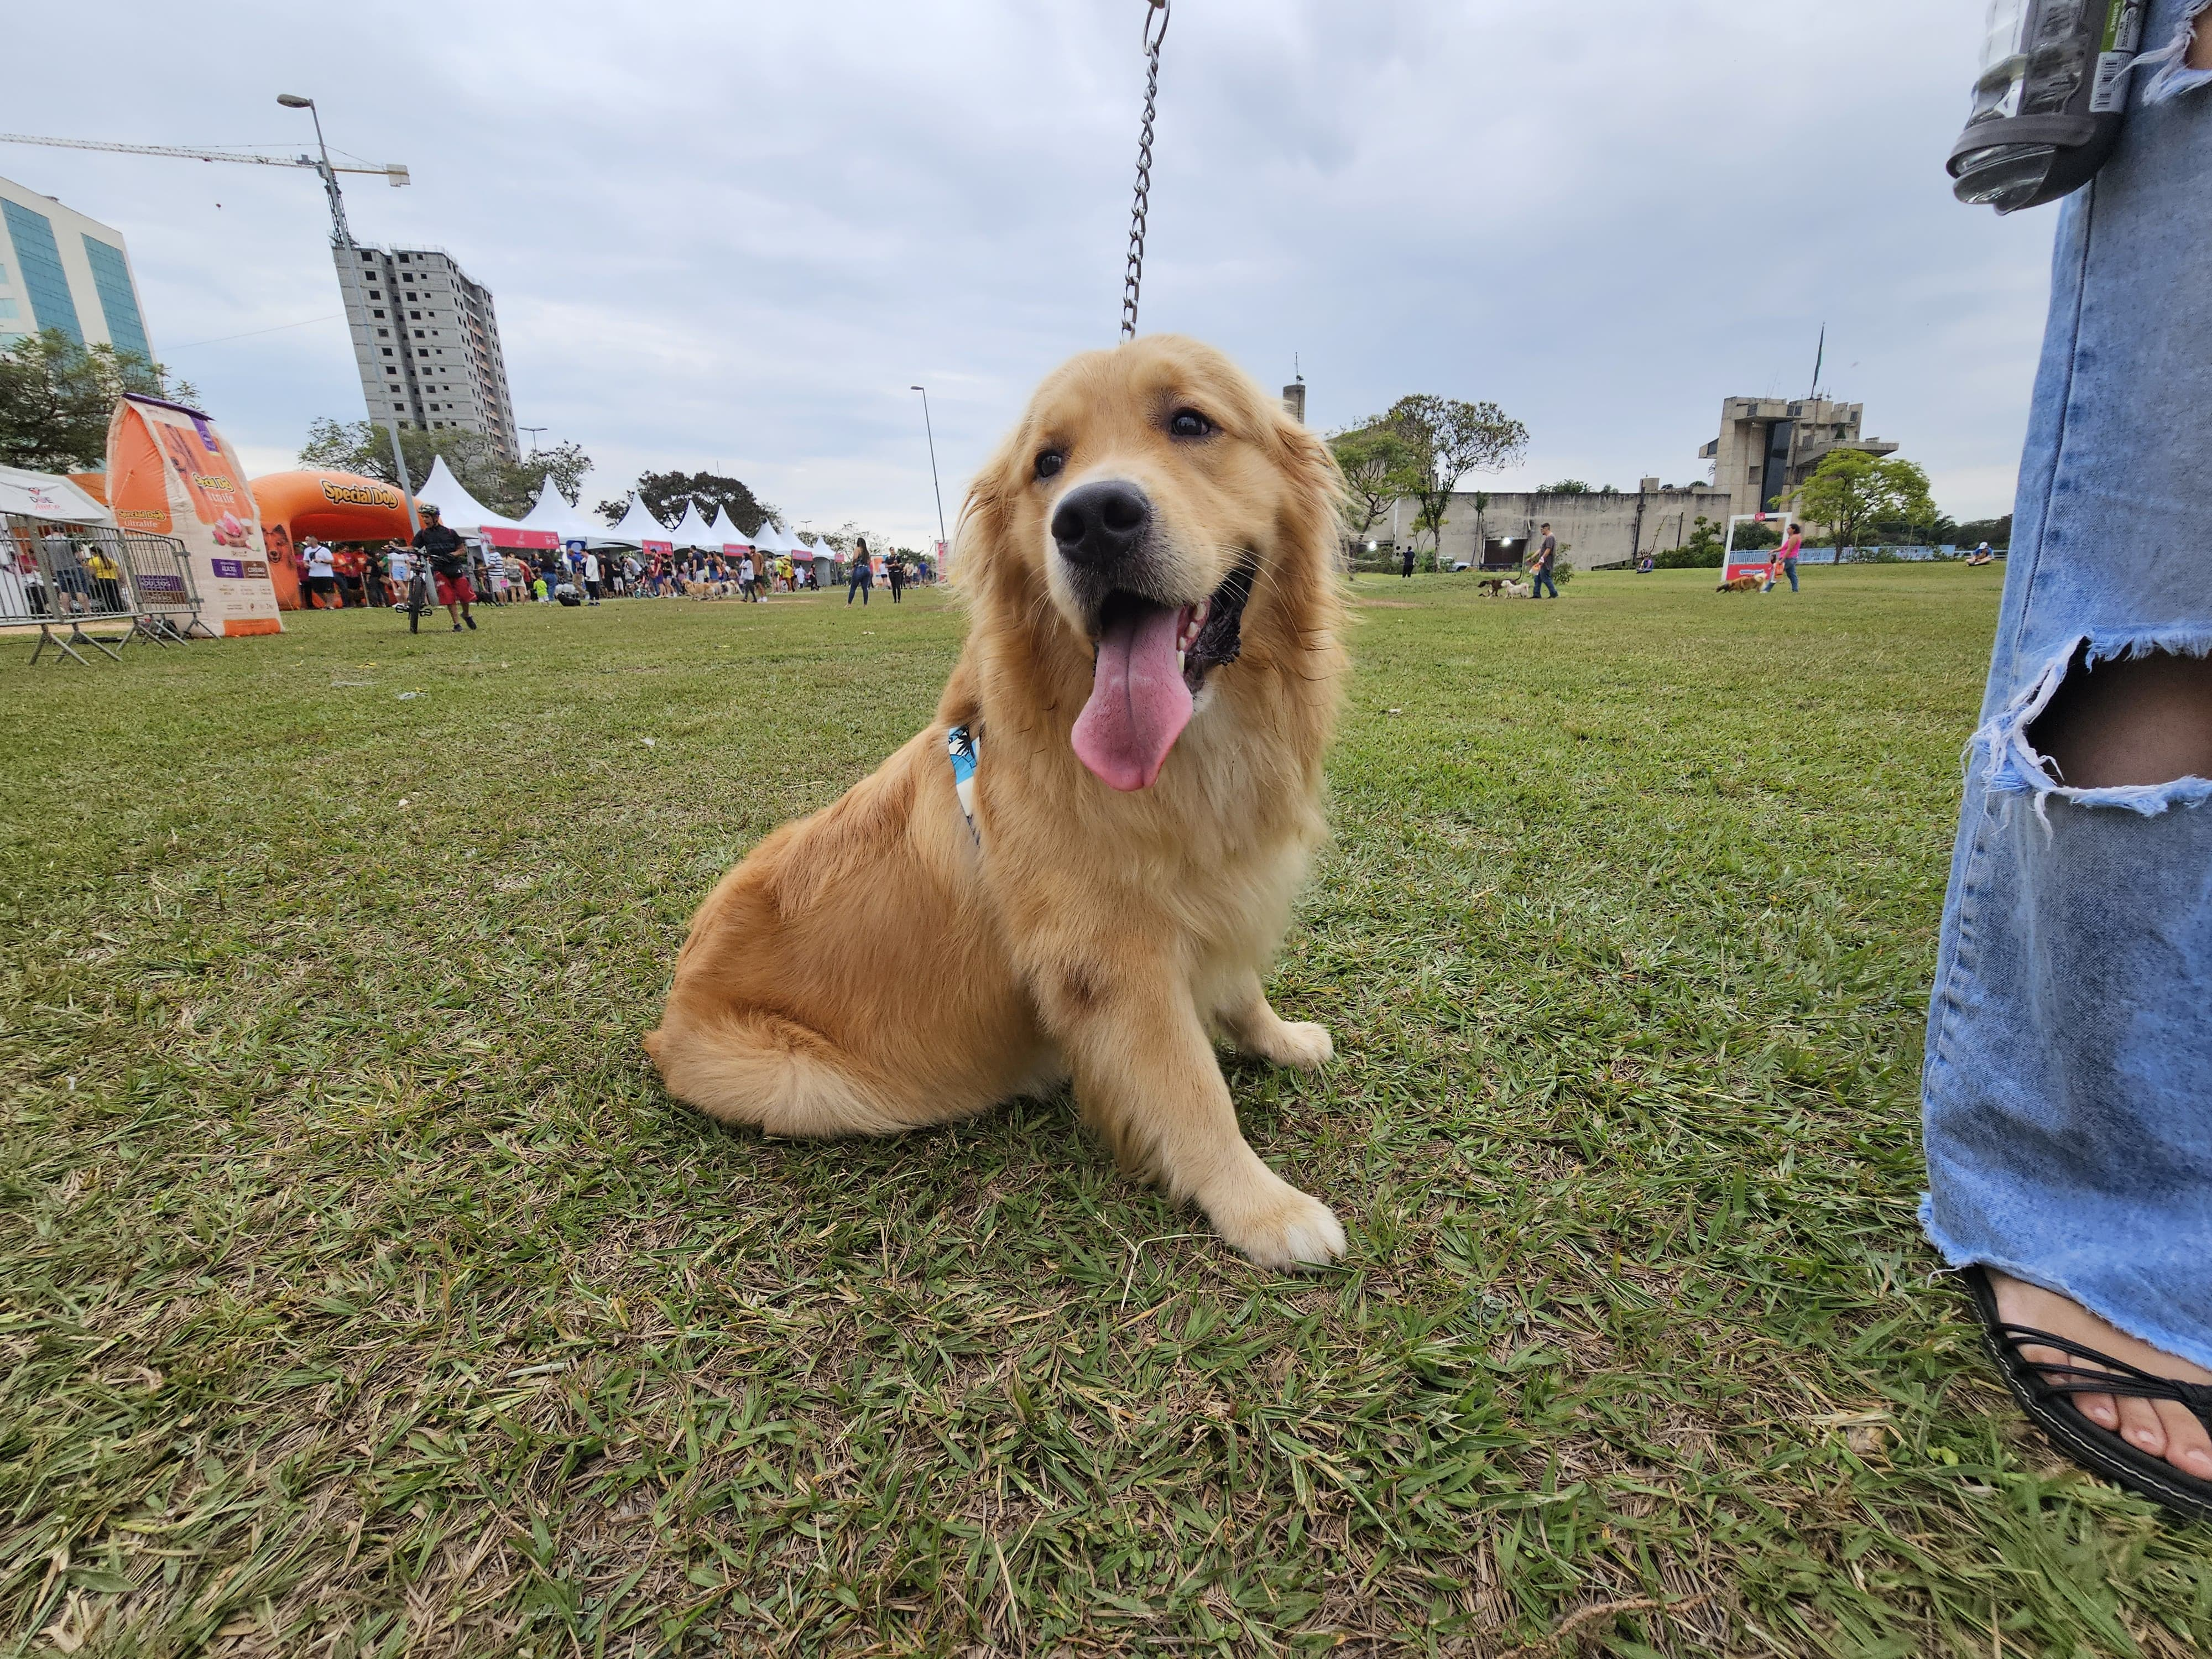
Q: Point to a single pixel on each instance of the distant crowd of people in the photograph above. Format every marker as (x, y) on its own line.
(339, 577)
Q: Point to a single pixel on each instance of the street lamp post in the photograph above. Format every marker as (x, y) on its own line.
(340, 232)
(348, 263)
(928, 426)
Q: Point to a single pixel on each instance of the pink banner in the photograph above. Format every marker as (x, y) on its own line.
(497, 536)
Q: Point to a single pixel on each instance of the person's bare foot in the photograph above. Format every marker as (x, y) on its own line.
(2164, 1428)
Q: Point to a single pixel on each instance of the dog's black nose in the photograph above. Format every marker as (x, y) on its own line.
(1102, 524)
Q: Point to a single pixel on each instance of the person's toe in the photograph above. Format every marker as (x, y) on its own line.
(2188, 1444)
(2099, 1408)
(2140, 1425)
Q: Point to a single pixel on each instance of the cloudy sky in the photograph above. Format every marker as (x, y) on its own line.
(731, 235)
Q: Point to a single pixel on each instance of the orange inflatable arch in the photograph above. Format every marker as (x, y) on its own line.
(337, 507)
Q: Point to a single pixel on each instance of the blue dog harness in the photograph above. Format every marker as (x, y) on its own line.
(961, 747)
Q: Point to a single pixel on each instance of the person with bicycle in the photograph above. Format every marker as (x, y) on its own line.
(449, 567)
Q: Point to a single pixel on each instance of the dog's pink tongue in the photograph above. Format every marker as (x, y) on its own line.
(1138, 703)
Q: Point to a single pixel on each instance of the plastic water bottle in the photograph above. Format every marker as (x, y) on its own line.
(2050, 100)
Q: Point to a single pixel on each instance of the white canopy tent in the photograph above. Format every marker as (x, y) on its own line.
(728, 537)
(692, 532)
(553, 514)
(638, 528)
(819, 555)
(456, 507)
(48, 495)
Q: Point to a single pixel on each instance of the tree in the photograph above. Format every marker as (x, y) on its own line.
(667, 495)
(56, 397)
(505, 487)
(1997, 532)
(1568, 487)
(1378, 467)
(1851, 490)
(1700, 549)
(1450, 439)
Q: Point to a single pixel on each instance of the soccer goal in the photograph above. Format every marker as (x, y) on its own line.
(1751, 562)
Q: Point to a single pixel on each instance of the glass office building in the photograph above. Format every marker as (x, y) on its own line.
(62, 271)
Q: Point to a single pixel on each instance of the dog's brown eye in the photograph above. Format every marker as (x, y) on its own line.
(1049, 462)
(1189, 423)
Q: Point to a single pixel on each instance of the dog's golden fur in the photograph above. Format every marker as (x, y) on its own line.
(871, 969)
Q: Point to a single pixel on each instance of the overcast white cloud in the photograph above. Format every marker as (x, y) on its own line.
(733, 235)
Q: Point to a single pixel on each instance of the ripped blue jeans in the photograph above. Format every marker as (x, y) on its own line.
(2068, 1086)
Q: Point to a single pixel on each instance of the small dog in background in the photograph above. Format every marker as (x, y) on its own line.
(1085, 866)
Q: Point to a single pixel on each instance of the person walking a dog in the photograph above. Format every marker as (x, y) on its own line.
(1540, 567)
(449, 567)
(1786, 557)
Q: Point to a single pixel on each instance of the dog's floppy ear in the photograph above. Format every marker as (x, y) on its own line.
(984, 565)
(1317, 490)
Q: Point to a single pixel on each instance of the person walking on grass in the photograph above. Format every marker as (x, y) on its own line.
(1406, 566)
(895, 568)
(399, 567)
(864, 576)
(1540, 567)
(449, 567)
(2067, 1090)
(590, 574)
(1785, 556)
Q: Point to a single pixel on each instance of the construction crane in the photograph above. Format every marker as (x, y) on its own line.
(395, 173)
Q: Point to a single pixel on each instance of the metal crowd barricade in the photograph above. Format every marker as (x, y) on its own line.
(63, 578)
(165, 598)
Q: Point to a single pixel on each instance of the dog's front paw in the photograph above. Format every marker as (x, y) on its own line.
(1280, 1227)
(1302, 1045)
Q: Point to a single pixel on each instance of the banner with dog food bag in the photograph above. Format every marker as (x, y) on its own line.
(169, 470)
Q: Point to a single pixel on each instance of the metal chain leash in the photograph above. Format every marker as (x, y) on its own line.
(1134, 281)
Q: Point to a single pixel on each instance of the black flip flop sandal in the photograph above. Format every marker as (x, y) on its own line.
(2049, 1404)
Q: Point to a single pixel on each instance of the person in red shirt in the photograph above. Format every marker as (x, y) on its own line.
(350, 566)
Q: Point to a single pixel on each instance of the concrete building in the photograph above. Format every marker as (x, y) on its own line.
(426, 341)
(1769, 445)
(1597, 527)
(59, 270)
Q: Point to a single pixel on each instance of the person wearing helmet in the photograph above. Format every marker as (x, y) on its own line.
(449, 567)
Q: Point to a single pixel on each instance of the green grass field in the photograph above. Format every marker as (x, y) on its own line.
(361, 1294)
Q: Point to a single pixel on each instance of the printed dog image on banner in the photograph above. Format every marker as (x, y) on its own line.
(170, 471)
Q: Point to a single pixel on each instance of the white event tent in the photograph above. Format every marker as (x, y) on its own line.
(48, 495)
(463, 512)
(553, 516)
(640, 529)
(694, 533)
(727, 536)
(818, 555)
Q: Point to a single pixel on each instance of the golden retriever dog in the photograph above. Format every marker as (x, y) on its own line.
(1150, 678)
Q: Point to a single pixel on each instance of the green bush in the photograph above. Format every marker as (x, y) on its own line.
(1701, 548)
